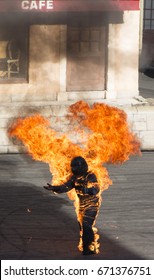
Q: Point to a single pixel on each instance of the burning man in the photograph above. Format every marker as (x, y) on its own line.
(86, 187)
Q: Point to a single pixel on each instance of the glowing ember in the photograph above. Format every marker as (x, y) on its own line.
(106, 138)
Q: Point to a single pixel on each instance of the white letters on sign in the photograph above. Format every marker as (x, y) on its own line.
(37, 4)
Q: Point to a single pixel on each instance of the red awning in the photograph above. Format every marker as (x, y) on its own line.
(67, 5)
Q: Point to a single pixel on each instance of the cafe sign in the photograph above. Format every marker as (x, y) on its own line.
(34, 5)
(67, 5)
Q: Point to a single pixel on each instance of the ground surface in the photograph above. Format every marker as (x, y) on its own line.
(35, 224)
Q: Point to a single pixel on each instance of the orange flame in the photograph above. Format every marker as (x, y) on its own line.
(105, 137)
(108, 140)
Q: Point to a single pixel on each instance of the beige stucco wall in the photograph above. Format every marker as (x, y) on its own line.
(123, 57)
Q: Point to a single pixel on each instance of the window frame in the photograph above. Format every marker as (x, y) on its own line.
(148, 15)
(15, 68)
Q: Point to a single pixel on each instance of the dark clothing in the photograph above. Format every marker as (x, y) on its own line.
(87, 190)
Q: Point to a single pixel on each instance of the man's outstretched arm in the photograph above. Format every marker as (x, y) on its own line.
(61, 188)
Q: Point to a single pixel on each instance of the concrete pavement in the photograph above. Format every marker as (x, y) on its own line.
(35, 224)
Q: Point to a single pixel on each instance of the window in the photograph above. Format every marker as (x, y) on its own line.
(148, 20)
(85, 40)
(86, 49)
(13, 53)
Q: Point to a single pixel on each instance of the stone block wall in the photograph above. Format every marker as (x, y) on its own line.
(140, 118)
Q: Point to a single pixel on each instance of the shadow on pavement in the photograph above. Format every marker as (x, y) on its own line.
(35, 224)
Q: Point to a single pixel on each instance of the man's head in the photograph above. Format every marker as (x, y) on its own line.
(79, 166)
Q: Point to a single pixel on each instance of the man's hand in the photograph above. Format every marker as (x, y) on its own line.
(49, 187)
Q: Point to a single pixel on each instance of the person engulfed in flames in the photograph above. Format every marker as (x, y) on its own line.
(105, 137)
(87, 189)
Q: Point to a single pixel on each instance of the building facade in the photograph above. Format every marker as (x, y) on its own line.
(56, 52)
(68, 50)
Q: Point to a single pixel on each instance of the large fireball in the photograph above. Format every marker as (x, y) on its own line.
(107, 139)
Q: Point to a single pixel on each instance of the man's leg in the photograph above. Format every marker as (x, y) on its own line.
(88, 237)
